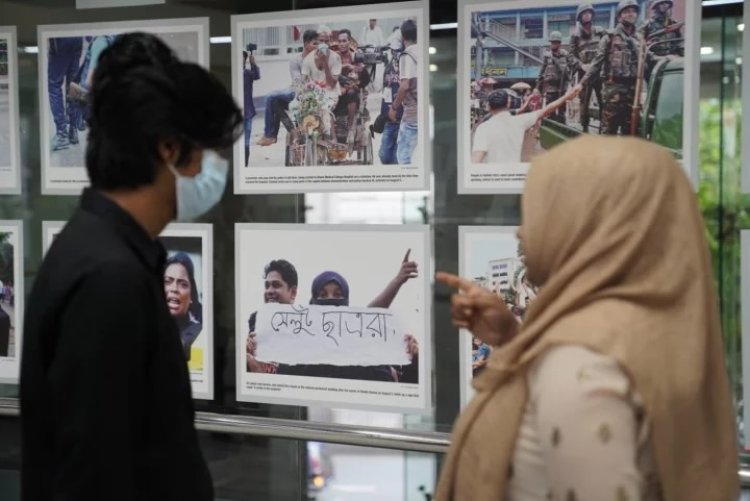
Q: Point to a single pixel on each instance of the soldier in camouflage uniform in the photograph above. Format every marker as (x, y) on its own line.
(583, 45)
(554, 74)
(616, 63)
(668, 43)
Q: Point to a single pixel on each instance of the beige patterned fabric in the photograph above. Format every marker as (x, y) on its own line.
(613, 235)
(582, 408)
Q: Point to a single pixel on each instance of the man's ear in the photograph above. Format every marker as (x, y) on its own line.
(169, 151)
(293, 289)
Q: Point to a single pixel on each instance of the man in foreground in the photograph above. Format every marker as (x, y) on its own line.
(105, 394)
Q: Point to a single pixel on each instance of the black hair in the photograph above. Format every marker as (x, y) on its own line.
(409, 31)
(143, 94)
(498, 99)
(308, 36)
(284, 268)
(345, 30)
(195, 304)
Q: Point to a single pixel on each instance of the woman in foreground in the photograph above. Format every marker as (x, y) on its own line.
(615, 387)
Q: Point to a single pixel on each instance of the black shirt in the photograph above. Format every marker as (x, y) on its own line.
(106, 409)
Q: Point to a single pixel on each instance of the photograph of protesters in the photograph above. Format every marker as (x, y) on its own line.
(328, 314)
(277, 102)
(279, 286)
(183, 299)
(329, 94)
(385, 125)
(330, 288)
(613, 67)
(407, 95)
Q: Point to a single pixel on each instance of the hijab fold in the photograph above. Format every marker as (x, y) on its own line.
(613, 234)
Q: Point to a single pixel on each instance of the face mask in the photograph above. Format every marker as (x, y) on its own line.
(330, 302)
(197, 195)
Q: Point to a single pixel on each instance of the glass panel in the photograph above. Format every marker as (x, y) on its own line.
(245, 467)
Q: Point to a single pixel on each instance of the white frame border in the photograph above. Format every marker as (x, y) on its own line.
(424, 146)
(425, 348)
(49, 230)
(10, 181)
(691, 89)
(76, 177)
(745, 329)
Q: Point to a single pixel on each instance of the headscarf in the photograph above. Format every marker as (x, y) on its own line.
(613, 236)
(195, 309)
(325, 278)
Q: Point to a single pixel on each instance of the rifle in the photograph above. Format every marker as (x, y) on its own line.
(668, 29)
(636, 108)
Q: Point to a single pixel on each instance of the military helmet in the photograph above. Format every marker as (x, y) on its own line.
(555, 36)
(584, 7)
(655, 3)
(624, 4)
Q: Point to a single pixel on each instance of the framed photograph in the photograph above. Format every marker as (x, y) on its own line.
(67, 59)
(11, 300)
(10, 156)
(188, 291)
(334, 315)
(492, 256)
(535, 73)
(334, 99)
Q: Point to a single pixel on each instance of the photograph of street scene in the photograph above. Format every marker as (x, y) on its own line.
(541, 75)
(337, 93)
(68, 58)
(71, 62)
(493, 257)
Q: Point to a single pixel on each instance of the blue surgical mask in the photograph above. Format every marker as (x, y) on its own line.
(197, 195)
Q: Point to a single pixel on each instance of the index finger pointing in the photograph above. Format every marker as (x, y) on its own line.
(455, 281)
(406, 257)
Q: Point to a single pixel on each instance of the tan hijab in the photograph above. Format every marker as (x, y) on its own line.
(612, 231)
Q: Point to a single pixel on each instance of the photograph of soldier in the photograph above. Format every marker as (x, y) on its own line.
(584, 43)
(554, 74)
(618, 66)
(663, 33)
(327, 90)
